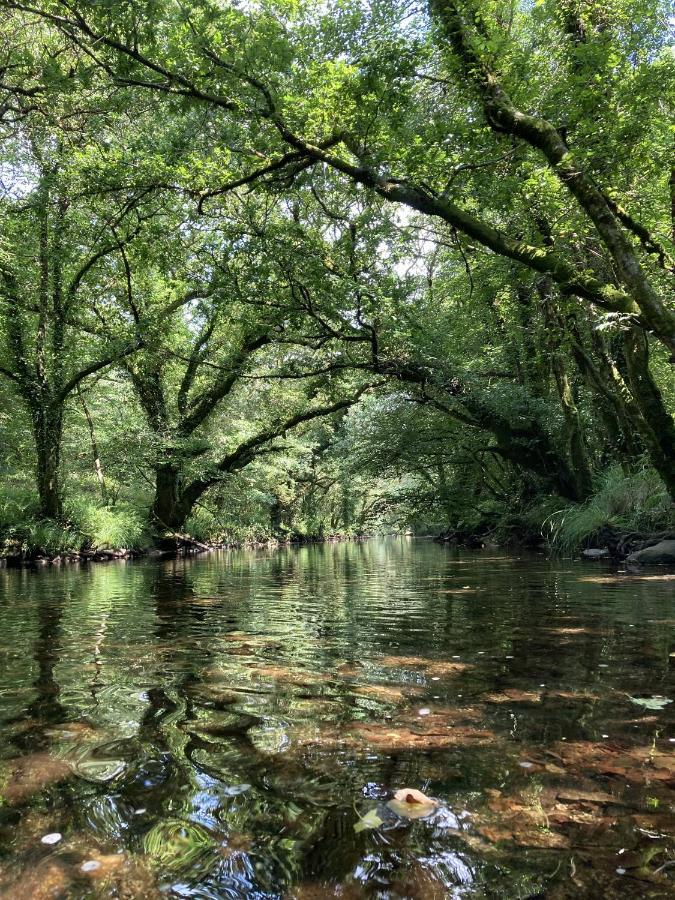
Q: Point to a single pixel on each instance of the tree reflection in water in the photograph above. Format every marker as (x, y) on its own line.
(217, 726)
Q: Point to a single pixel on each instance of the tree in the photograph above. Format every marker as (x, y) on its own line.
(63, 281)
(55, 250)
(250, 82)
(467, 205)
(195, 363)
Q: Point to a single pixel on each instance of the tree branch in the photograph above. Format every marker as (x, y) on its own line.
(221, 387)
(249, 449)
(95, 366)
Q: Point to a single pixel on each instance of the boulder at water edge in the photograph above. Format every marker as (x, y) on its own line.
(660, 554)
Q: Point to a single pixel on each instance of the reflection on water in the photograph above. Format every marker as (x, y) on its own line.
(217, 727)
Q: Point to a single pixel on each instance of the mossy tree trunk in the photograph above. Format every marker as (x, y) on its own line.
(658, 428)
(48, 432)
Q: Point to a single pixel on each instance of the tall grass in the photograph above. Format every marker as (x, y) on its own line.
(626, 503)
(23, 532)
(104, 527)
(87, 524)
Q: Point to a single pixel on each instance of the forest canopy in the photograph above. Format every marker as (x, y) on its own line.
(279, 268)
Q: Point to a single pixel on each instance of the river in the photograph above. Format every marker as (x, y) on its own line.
(235, 724)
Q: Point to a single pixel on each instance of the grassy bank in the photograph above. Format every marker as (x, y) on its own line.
(624, 511)
(95, 531)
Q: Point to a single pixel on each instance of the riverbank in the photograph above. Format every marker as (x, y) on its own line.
(655, 549)
(626, 515)
(185, 546)
(640, 549)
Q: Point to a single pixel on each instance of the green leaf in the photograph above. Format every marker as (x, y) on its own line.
(370, 820)
(651, 702)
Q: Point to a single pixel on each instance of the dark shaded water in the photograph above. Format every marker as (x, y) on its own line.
(216, 727)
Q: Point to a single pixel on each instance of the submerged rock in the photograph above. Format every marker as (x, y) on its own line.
(659, 554)
(28, 775)
(596, 553)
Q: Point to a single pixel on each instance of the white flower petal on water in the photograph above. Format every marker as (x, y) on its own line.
(656, 702)
(52, 838)
(90, 865)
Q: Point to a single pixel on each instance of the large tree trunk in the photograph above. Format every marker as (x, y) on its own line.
(616, 406)
(658, 430)
(573, 431)
(47, 431)
(644, 421)
(169, 509)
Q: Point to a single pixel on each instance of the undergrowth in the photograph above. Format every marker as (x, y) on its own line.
(637, 503)
(87, 524)
(109, 527)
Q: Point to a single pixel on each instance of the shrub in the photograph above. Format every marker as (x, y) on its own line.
(122, 525)
(637, 502)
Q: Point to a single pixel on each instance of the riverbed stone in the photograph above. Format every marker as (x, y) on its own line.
(659, 554)
(595, 553)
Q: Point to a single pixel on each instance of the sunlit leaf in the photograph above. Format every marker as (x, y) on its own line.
(412, 804)
(655, 702)
(370, 820)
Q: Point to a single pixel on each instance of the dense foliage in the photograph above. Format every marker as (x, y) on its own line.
(282, 267)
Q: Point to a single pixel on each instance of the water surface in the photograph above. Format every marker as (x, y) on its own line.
(216, 727)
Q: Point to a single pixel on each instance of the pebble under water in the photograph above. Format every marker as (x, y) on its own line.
(236, 725)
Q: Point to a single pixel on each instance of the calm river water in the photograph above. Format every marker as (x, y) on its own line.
(235, 725)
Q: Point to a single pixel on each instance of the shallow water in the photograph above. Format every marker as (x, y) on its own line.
(216, 727)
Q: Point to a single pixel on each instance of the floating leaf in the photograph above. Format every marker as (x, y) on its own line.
(412, 804)
(656, 702)
(370, 820)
